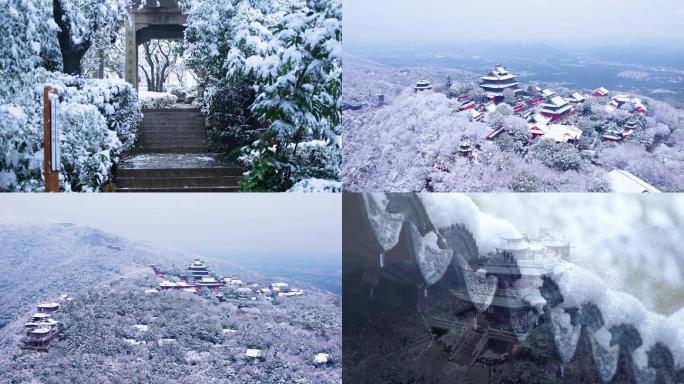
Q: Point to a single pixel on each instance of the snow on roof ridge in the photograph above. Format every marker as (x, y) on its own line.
(580, 286)
(455, 209)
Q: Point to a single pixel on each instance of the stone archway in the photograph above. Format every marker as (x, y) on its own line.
(159, 19)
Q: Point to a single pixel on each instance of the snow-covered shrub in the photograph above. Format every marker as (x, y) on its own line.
(318, 159)
(28, 40)
(21, 158)
(183, 94)
(268, 168)
(316, 185)
(86, 147)
(116, 100)
(231, 126)
(562, 156)
(157, 100)
(525, 182)
(97, 120)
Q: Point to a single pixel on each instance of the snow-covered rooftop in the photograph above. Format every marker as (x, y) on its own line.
(578, 97)
(548, 92)
(321, 358)
(499, 86)
(625, 181)
(601, 90)
(559, 133)
(556, 101)
(498, 73)
(254, 353)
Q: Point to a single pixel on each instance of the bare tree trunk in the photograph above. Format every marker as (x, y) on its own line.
(159, 65)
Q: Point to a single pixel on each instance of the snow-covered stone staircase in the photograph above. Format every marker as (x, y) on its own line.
(177, 173)
(172, 155)
(463, 354)
(180, 130)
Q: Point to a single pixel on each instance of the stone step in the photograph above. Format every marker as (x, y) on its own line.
(172, 126)
(163, 118)
(228, 171)
(167, 112)
(173, 149)
(191, 189)
(173, 138)
(189, 143)
(182, 172)
(178, 182)
(170, 111)
(171, 119)
(174, 134)
(174, 130)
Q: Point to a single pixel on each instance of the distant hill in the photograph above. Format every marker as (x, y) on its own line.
(186, 337)
(41, 262)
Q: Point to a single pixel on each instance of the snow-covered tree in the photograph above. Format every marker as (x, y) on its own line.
(562, 156)
(517, 127)
(27, 58)
(80, 20)
(288, 52)
(160, 58)
(509, 96)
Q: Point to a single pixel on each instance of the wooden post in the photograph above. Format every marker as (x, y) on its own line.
(51, 177)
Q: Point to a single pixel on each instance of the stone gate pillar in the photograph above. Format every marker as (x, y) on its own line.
(131, 53)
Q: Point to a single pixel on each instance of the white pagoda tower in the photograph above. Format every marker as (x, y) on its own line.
(499, 79)
(197, 269)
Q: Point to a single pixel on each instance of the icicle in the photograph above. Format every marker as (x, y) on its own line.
(372, 291)
(565, 334)
(425, 291)
(605, 355)
(382, 260)
(386, 226)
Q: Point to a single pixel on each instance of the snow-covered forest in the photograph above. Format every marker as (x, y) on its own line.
(410, 141)
(117, 328)
(268, 80)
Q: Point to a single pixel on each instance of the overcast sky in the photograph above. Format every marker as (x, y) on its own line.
(595, 22)
(306, 225)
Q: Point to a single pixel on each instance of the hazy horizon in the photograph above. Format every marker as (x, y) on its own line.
(231, 226)
(440, 23)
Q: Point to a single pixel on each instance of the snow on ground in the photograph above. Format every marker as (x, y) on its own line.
(316, 185)
(156, 99)
(174, 160)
